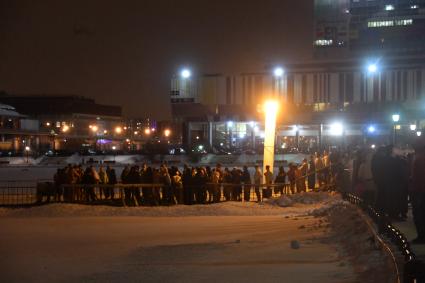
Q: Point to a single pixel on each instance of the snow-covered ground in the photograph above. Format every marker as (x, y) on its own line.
(304, 238)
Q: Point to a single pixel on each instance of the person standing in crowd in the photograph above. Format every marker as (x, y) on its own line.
(237, 187)
(215, 180)
(246, 180)
(209, 187)
(319, 169)
(417, 191)
(258, 180)
(112, 177)
(178, 187)
(156, 190)
(303, 170)
(186, 179)
(280, 181)
(165, 180)
(311, 179)
(292, 177)
(365, 178)
(326, 168)
(59, 180)
(89, 180)
(200, 186)
(228, 180)
(385, 175)
(268, 177)
(103, 180)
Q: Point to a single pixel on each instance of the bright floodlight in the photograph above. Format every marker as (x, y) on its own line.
(372, 146)
(252, 124)
(372, 68)
(413, 127)
(419, 133)
(94, 128)
(270, 110)
(371, 129)
(336, 129)
(114, 147)
(278, 72)
(147, 131)
(295, 128)
(185, 73)
(27, 148)
(118, 130)
(229, 124)
(167, 133)
(396, 117)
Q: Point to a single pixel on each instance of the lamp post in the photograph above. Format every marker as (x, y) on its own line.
(27, 151)
(113, 149)
(270, 110)
(396, 118)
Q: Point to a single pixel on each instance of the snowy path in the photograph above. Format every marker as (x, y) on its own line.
(144, 249)
(225, 242)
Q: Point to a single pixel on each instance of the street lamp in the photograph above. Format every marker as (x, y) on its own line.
(278, 72)
(396, 118)
(372, 68)
(167, 133)
(270, 111)
(413, 127)
(113, 149)
(118, 130)
(185, 73)
(419, 133)
(27, 151)
(65, 128)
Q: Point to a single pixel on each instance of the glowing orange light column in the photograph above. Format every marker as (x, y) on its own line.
(270, 110)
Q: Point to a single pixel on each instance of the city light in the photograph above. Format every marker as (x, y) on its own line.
(419, 133)
(278, 72)
(270, 111)
(167, 133)
(48, 124)
(252, 124)
(336, 129)
(114, 147)
(256, 129)
(372, 146)
(27, 148)
(229, 124)
(65, 128)
(185, 73)
(389, 7)
(94, 128)
(372, 68)
(371, 129)
(147, 131)
(118, 130)
(396, 118)
(105, 131)
(201, 147)
(295, 128)
(413, 127)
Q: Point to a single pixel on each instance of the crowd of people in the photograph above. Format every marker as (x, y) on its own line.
(389, 179)
(190, 185)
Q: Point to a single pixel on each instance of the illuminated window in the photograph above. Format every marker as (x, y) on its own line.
(323, 42)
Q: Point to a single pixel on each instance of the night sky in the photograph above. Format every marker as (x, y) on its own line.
(124, 52)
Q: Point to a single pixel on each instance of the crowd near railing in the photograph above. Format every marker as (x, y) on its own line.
(43, 192)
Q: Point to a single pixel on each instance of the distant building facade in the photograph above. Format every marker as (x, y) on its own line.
(368, 27)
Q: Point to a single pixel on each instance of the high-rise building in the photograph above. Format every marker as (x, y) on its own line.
(369, 27)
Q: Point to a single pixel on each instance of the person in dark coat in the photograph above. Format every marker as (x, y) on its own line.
(281, 180)
(112, 180)
(186, 179)
(311, 179)
(246, 180)
(417, 191)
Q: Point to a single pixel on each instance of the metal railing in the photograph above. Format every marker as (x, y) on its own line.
(413, 269)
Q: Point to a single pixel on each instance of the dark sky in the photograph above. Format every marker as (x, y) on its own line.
(124, 52)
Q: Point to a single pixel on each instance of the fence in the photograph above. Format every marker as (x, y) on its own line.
(413, 269)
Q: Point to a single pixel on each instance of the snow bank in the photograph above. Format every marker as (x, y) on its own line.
(299, 205)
